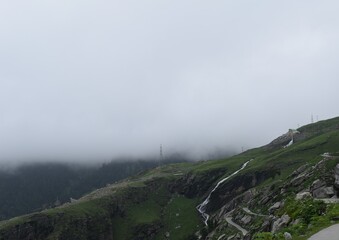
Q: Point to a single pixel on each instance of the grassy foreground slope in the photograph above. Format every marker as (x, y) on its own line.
(161, 203)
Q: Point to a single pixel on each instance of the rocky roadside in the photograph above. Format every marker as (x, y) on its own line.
(263, 210)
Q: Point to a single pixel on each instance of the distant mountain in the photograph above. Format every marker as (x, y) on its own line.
(286, 189)
(37, 186)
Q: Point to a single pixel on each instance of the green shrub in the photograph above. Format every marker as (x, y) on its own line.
(268, 236)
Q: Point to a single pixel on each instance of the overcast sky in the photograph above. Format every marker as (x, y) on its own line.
(94, 80)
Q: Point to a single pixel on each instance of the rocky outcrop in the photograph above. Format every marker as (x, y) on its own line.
(192, 185)
(284, 139)
(280, 223)
(235, 187)
(303, 195)
(302, 181)
(320, 190)
(336, 178)
(287, 236)
(274, 207)
(246, 219)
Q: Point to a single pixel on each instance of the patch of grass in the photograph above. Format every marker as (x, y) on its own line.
(268, 236)
(14, 221)
(181, 218)
(286, 160)
(137, 184)
(140, 211)
(146, 212)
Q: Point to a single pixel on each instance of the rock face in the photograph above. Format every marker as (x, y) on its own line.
(303, 195)
(190, 185)
(276, 206)
(317, 184)
(246, 219)
(319, 190)
(285, 138)
(299, 179)
(280, 223)
(336, 178)
(287, 236)
(237, 185)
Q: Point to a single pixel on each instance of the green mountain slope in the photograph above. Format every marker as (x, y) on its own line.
(35, 186)
(161, 203)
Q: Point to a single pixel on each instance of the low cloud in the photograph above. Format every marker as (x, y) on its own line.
(93, 81)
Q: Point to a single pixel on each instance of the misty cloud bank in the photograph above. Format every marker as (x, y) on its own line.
(96, 80)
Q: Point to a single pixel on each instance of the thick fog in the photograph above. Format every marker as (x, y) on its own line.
(95, 80)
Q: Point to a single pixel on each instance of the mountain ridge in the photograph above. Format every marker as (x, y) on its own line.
(161, 203)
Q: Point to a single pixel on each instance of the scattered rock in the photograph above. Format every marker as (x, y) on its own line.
(300, 170)
(265, 199)
(167, 234)
(266, 226)
(280, 223)
(303, 195)
(238, 236)
(246, 219)
(297, 221)
(287, 236)
(299, 179)
(323, 192)
(248, 196)
(336, 177)
(317, 184)
(222, 237)
(319, 190)
(320, 163)
(329, 191)
(231, 237)
(276, 206)
(247, 237)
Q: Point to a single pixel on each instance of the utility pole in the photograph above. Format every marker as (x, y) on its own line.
(312, 118)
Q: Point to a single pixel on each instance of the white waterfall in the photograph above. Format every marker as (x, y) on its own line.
(202, 207)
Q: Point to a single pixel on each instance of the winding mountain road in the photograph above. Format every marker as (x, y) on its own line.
(327, 233)
(246, 210)
(229, 220)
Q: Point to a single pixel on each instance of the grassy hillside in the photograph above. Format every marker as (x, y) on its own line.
(36, 186)
(161, 203)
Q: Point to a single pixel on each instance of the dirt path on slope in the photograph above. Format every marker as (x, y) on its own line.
(229, 220)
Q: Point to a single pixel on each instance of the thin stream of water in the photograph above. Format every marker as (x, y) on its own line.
(202, 207)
